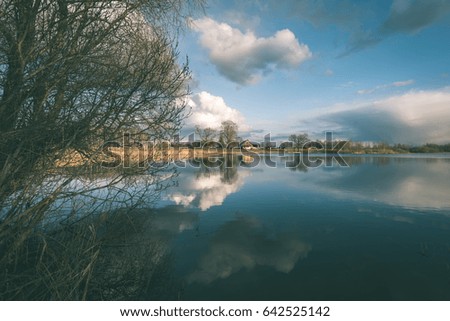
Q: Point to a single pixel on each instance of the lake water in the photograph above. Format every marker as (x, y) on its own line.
(378, 229)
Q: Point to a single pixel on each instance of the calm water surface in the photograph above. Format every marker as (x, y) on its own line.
(377, 230)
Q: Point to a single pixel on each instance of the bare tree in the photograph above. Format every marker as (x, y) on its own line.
(298, 140)
(206, 134)
(74, 74)
(228, 133)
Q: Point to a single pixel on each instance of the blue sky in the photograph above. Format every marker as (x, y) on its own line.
(366, 70)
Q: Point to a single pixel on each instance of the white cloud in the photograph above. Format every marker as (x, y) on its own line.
(365, 91)
(403, 83)
(243, 57)
(210, 111)
(386, 86)
(416, 117)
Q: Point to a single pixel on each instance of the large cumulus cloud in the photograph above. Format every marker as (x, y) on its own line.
(210, 111)
(243, 57)
(416, 117)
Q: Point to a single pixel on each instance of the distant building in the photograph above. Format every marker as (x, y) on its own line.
(247, 144)
(212, 145)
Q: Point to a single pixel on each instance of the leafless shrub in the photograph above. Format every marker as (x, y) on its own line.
(74, 74)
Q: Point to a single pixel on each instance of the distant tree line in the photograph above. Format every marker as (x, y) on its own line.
(427, 148)
(358, 147)
(228, 134)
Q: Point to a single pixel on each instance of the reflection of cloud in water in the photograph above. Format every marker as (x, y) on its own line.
(173, 219)
(181, 199)
(245, 244)
(209, 190)
(395, 218)
(420, 192)
(411, 183)
(412, 186)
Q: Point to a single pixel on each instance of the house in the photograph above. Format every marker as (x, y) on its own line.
(247, 145)
(212, 144)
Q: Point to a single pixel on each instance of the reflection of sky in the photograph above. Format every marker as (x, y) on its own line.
(323, 233)
(297, 226)
(417, 183)
(341, 232)
(412, 183)
(245, 244)
(173, 220)
(100, 192)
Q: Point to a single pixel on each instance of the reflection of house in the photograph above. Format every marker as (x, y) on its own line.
(247, 159)
(246, 144)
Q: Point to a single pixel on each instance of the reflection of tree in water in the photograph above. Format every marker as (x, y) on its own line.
(381, 161)
(204, 170)
(129, 261)
(209, 184)
(295, 163)
(103, 254)
(136, 263)
(229, 170)
(225, 166)
(356, 160)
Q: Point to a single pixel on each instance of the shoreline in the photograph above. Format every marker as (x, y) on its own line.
(134, 155)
